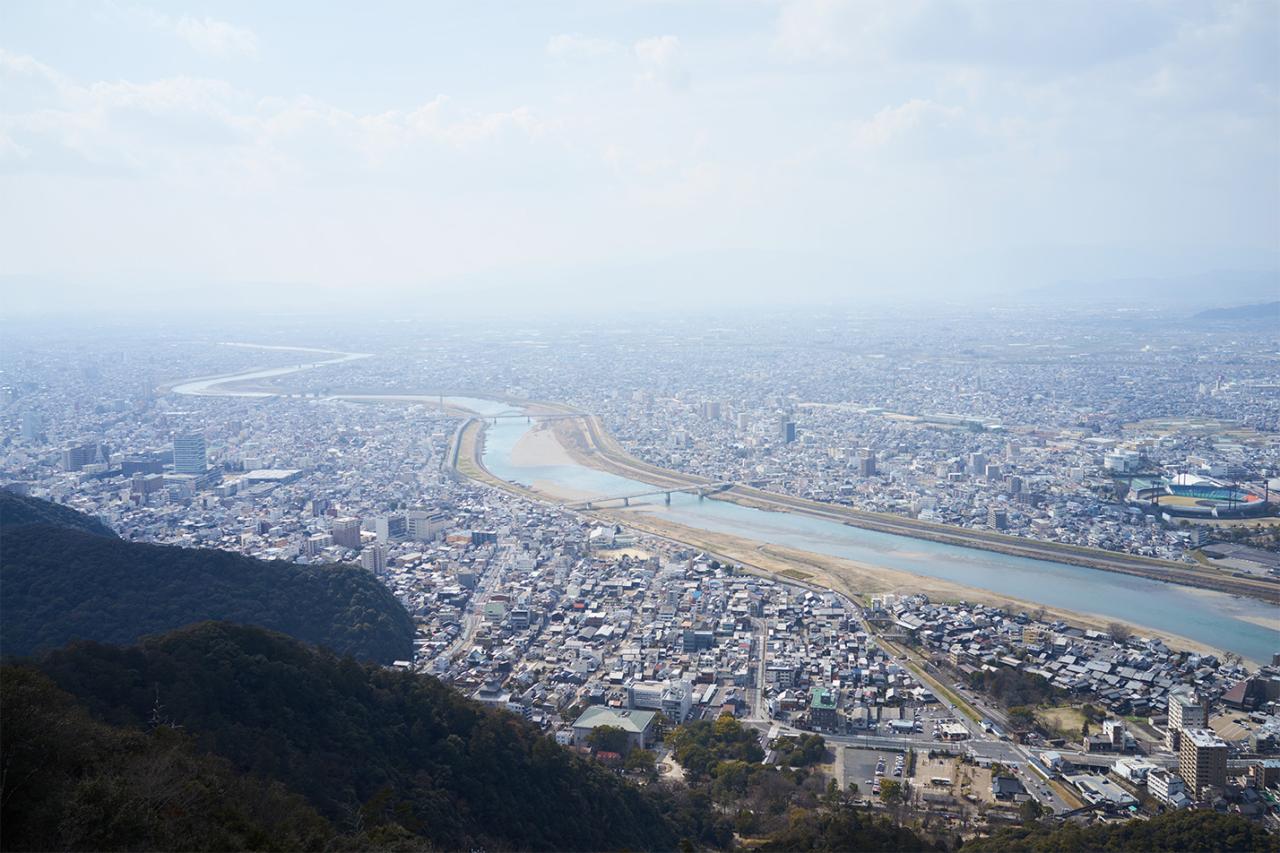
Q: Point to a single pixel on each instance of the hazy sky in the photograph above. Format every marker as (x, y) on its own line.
(298, 151)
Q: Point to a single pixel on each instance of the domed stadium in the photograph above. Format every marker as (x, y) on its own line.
(1194, 496)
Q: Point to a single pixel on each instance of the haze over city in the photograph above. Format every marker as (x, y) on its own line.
(630, 153)
(640, 425)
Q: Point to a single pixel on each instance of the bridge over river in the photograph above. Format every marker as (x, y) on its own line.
(701, 491)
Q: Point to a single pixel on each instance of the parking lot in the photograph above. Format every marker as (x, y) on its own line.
(860, 766)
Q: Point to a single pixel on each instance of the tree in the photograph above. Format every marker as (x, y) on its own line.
(1030, 811)
(1119, 631)
(642, 761)
(891, 791)
(608, 739)
(1022, 718)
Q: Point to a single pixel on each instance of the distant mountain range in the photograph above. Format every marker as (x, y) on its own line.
(64, 577)
(1265, 312)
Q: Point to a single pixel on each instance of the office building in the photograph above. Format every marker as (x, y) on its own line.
(787, 430)
(424, 526)
(346, 532)
(390, 527)
(867, 465)
(189, 454)
(997, 518)
(1185, 712)
(711, 410)
(1202, 761)
(822, 709)
(76, 456)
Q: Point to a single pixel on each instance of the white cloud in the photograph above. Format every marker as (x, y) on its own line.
(573, 45)
(209, 35)
(662, 62)
(205, 131)
(892, 124)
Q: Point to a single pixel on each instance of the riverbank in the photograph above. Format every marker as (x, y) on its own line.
(855, 579)
(589, 444)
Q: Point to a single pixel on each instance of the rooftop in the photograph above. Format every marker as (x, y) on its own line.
(631, 721)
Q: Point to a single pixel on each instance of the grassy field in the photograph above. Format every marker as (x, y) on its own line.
(1063, 719)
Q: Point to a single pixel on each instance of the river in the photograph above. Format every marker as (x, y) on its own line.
(1245, 626)
(1212, 618)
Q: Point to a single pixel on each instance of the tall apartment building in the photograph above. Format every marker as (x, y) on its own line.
(1185, 712)
(346, 532)
(1202, 761)
(374, 559)
(189, 454)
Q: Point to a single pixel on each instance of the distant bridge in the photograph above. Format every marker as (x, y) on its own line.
(701, 491)
(528, 417)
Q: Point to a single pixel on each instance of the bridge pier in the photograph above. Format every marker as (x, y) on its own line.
(668, 498)
(626, 501)
(589, 506)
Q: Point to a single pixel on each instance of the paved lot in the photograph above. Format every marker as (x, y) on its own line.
(1234, 726)
(860, 765)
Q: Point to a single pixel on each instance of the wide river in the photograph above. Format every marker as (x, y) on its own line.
(1245, 626)
(1209, 617)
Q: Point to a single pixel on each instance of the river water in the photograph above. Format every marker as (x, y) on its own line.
(1209, 617)
(1246, 626)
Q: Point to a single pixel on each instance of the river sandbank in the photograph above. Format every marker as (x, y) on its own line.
(857, 579)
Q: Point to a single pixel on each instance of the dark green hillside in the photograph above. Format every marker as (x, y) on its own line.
(1182, 831)
(397, 749)
(71, 783)
(59, 584)
(16, 510)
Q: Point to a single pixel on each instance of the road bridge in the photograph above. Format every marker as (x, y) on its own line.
(701, 490)
(529, 418)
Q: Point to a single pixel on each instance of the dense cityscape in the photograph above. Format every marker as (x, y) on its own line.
(576, 622)
(770, 426)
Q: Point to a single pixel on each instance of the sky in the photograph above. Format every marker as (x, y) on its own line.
(410, 157)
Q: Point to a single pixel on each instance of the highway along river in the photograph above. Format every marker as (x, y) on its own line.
(1245, 626)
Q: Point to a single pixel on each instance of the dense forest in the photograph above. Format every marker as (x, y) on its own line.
(366, 747)
(1189, 831)
(72, 783)
(61, 583)
(18, 510)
